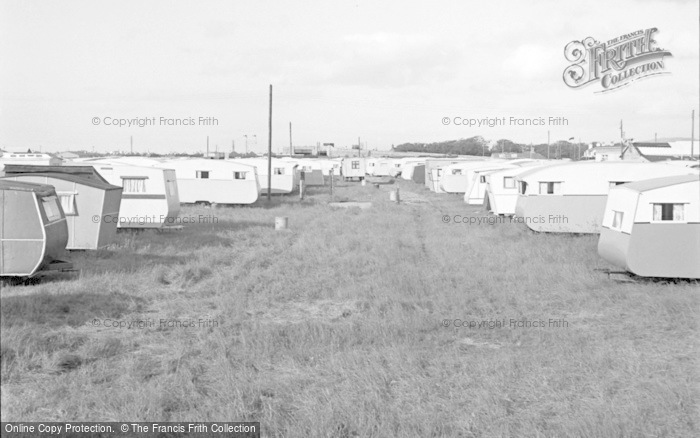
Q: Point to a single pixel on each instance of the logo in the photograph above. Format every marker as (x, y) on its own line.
(615, 63)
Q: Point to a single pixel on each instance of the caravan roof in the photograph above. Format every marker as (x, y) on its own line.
(85, 172)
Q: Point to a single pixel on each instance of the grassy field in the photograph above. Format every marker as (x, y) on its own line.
(345, 326)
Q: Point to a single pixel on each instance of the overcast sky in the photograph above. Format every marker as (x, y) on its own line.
(388, 72)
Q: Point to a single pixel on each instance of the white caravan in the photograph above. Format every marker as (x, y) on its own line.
(201, 180)
(284, 174)
(501, 189)
(571, 198)
(150, 197)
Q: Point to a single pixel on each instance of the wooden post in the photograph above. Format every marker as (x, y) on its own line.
(269, 151)
(301, 186)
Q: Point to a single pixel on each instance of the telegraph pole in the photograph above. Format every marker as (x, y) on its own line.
(291, 148)
(548, 145)
(692, 134)
(132, 144)
(269, 151)
(622, 139)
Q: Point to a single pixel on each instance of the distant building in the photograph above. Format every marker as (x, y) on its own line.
(517, 155)
(67, 155)
(673, 150)
(325, 150)
(35, 158)
(603, 153)
(215, 155)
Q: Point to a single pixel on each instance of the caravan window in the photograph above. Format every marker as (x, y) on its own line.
(617, 219)
(239, 175)
(203, 174)
(669, 212)
(278, 171)
(509, 182)
(51, 208)
(523, 187)
(482, 179)
(550, 188)
(456, 171)
(134, 185)
(355, 164)
(68, 203)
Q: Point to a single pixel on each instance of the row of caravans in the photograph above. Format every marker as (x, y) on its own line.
(49, 205)
(647, 214)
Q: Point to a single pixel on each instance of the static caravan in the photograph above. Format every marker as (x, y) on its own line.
(407, 170)
(33, 230)
(354, 167)
(454, 178)
(215, 181)
(570, 198)
(651, 228)
(330, 164)
(285, 177)
(385, 167)
(409, 166)
(433, 170)
(501, 190)
(477, 178)
(371, 165)
(82, 200)
(149, 197)
(476, 191)
(311, 170)
(31, 158)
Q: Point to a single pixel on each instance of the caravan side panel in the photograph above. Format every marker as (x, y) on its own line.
(563, 214)
(665, 250)
(21, 235)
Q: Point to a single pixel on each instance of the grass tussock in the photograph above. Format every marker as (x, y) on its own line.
(337, 328)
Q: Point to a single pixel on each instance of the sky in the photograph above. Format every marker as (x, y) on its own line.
(387, 72)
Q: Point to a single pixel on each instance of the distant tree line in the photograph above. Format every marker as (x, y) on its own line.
(469, 146)
(480, 146)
